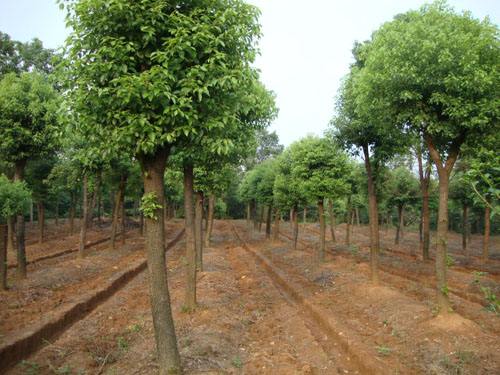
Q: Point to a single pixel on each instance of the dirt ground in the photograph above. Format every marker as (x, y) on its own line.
(246, 323)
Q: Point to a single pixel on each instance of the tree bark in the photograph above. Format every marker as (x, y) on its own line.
(41, 222)
(190, 298)
(295, 227)
(331, 212)
(93, 201)
(373, 211)
(210, 218)
(277, 217)
(399, 227)
(3, 257)
(444, 172)
(356, 210)
(486, 237)
(424, 177)
(322, 230)
(20, 226)
(261, 217)
(304, 218)
(31, 213)
(268, 221)
(465, 211)
(114, 222)
(153, 169)
(198, 229)
(84, 221)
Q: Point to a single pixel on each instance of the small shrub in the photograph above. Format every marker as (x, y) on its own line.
(236, 362)
(449, 261)
(122, 344)
(491, 298)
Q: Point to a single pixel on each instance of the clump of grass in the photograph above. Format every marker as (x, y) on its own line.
(237, 362)
(30, 368)
(491, 298)
(383, 350)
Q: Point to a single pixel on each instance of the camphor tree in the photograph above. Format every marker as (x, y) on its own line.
(28, 129)
(321, 167)
(142, 74)
(436, 72)
(14, 199)
(358, 126)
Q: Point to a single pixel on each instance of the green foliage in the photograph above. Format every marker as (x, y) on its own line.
(491, 298)
(403, 187)
(14, 197)
(150, 206)
(28, 116)
(383, 350)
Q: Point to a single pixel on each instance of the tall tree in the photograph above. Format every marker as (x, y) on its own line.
(435, 71)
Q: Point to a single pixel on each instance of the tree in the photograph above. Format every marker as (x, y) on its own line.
(147, 76)
(321, 167)
(435, 71)
(14, 199)
(28, 129)
(267, 147)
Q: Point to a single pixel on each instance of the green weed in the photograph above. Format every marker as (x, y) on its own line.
(236, 362)
(383, 350)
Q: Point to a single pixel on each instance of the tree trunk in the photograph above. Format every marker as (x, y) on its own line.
(153, 169)
(373, 211)
(261, 217)
(41, 222)
(72, 214)
(99, 207)
(424, 177)
(248, 215)
(486, 237)
(123, 219)
(190, 298)
(11, 221)
(332, 219)
(141, 223)
(268, 221)
(3, 257)
(20, 227)
(304, 219)
(31, 213)
(210, 218)
(295, 227)
(399, 227)
(356, 210)
(348, 227)
(56, 219)
(198, 229)
(322, 229)
(277, 217)
(84, 221)
(465, 220)
(444, 172)
(97, 187)
(114, 222)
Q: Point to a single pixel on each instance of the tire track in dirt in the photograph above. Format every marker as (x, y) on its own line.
(30, 340)
(321, 322)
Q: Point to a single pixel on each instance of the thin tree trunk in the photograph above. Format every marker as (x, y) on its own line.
(56, 219)
(399, 227)
(84, 220)
(254, 214)
(11, 222)
(277, 217)
(97, 187)
(31, 213)
(444, 172)
(424, 177)
(356, 210)
(210, 218)
(348, 227)
(99, 207)
(3, 257)
(322, 230)
(486, 237)
(198, 230)
(261, 217)
(123, 219)
(20, 227)
(41, 222)
(72, 214)
(268, 221)
(190, 298)
(331, 212)
(295, 227)
(248, 215)
(114, 222)
(464, 229)
(141, 223)
(373, 210)
(304, 218)
(153, 169)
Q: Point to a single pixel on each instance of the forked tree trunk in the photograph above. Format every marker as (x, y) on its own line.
(20, 227)
(331, 213)
(41, 222)
(268, 221)
(444, 172)
(295, 227)
(322, 230)
(84, 220)
(465, 220)
(153, 169)
(210, 218)
(277, 217)
(3, 257)
(486, 237)
(198, 230)
(190, 298)
(373, 211)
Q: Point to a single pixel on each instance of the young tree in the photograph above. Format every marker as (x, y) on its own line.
(443, 83)
(321, 167)
(144, 74)
(28, 129)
